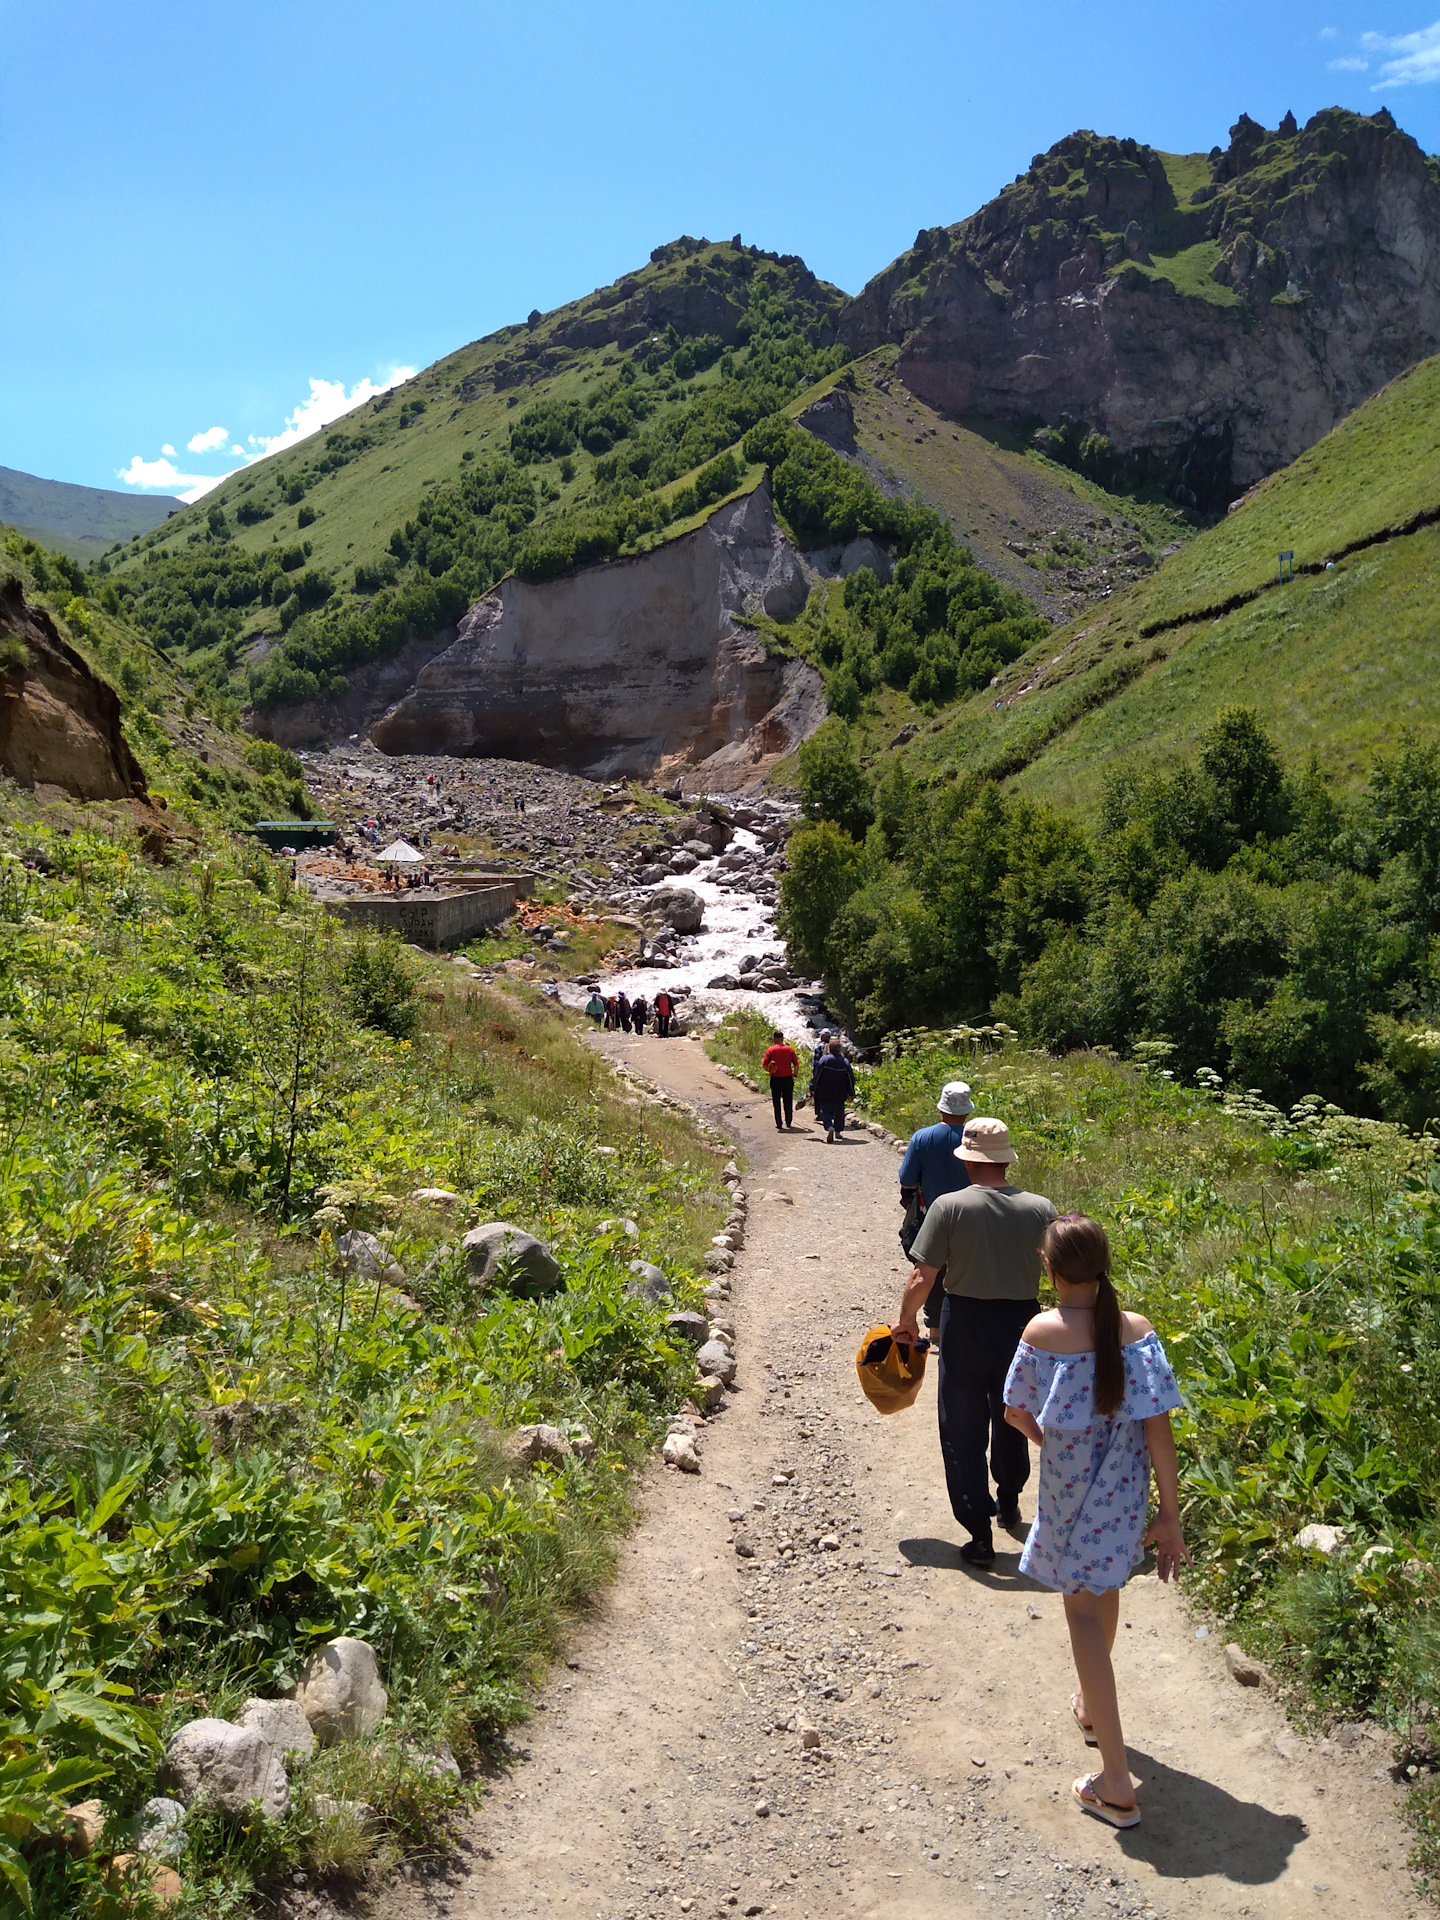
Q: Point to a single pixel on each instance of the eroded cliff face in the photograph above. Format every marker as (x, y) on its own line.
(59, 721)
(1303, 274)
(631, 667)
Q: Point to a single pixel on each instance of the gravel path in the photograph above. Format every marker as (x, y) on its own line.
(796, 1700)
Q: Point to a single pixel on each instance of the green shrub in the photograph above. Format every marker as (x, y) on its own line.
(380, 985)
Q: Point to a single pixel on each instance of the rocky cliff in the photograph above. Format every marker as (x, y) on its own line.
(1196, 321)
(59, 721)
(638, 665)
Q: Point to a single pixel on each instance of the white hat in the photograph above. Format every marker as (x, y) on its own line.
(955, 1098)
(824, 1033)
(987, 1140)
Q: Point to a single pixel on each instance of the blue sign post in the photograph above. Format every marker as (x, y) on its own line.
(1287, 566)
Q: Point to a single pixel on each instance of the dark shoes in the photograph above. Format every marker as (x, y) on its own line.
(1009, 1517)
(977, 1553)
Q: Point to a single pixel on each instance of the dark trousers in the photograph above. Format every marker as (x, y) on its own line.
(978, 1339)
(662, 1025)
(782, 1094)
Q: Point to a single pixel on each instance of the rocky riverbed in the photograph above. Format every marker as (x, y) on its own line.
(620, 852)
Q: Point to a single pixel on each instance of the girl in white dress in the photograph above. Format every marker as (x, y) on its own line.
(1091, 1387)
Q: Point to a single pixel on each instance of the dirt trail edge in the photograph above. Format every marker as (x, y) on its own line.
(860, 1724)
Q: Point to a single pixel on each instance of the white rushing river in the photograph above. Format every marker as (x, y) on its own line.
(736, 925)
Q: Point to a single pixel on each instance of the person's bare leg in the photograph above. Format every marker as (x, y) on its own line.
(1089, 1616)
(1110, 1615)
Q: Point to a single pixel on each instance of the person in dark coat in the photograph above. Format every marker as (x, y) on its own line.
(831, 1085)
(639, 1013)
(622, 1011)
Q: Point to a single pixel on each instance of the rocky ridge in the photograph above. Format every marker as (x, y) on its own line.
(1193, 321)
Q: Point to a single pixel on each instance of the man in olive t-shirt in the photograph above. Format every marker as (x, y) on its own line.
(987, 1238)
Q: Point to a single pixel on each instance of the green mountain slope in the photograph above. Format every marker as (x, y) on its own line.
(1333, 662)
(541, 446)
(81, 521)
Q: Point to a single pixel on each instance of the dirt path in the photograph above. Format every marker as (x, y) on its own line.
(667, 1772)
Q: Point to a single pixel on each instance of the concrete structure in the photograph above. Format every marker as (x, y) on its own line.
(302, 835)
(431, 916)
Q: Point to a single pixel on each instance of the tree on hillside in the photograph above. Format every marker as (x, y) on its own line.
(833, 784)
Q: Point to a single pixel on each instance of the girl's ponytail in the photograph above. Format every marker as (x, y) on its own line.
(1109, 1359)
(1079, 1252)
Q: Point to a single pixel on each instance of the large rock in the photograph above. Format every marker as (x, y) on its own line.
(716, 1360)
(651, 1282)
(60, 723)
(371, 1259)
(1325, 285)
(690, 1326)
(160, 1829)
(498, 1248)
(620, 665)
(538, 1445)
(229, 1767)
(340, 1691)
(679, 907)
(282, 1723)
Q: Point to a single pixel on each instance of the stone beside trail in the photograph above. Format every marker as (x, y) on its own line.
(796, 1700)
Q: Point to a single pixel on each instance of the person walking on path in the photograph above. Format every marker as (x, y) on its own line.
(622, 1011)
(612, 1019)
(930, 1169)
(595, 1007)
(662, 1014)
(639, 1012)
(831, 1084)
(782, 1063)
(987, 1240)
(1091, 1386)
(820, 1049)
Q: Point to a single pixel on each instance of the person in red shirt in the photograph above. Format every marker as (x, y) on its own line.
(782, 1063)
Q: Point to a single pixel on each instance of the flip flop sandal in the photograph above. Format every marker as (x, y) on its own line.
(1091, 1737)
(1087, 1793)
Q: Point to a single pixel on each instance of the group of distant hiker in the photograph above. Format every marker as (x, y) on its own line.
(617, 1013)
(832, 1082)
(1085, 1381)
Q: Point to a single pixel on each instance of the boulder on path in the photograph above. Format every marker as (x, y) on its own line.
(283, 1724)
(717, 1359)
(228, 1767)
(1244, 1670)
(340, 1693)
(679, 1451)
(538, 1446)
(498, 1249)
(690, 1325)
(679, 907)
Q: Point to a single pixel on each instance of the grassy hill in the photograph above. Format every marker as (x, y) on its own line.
(1333, 662)
(82, 522)
(538, 447)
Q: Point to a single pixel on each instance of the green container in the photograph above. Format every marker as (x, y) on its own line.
(302, 835)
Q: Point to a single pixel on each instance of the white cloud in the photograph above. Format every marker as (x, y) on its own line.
(162, 473)
(327, 402)
(1416, 60)
(1329, 33)
(1352, 64)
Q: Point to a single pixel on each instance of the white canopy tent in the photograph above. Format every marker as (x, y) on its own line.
(400, 853)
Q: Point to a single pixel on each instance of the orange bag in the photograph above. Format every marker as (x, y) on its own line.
(891, 1371)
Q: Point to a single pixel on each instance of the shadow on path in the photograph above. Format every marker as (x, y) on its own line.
(1004, 1577)
(1192, 1828)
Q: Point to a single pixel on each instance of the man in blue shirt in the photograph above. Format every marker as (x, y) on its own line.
(929, 1169)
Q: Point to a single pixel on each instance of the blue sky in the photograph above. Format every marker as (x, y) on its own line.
(218, 221)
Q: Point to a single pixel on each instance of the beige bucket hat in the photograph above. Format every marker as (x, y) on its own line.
(987, 1140)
